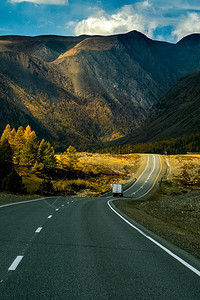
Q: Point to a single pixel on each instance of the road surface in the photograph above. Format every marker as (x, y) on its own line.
(147, 179)
(79, 248)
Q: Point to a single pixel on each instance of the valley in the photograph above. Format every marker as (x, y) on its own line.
(170, 210)
(99, 149)
(89, 90)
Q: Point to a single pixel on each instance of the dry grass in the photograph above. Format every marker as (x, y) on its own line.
(184, 170)
(173, 211)
(121, 164)
(101, 170)
(30, 179)
(97, 173)
(10, 198)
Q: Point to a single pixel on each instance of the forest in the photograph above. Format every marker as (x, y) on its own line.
(22, 156)
(21, 149)
(179, 145)
(29, 166)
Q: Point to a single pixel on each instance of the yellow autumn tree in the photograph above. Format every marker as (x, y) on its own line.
(69, 159)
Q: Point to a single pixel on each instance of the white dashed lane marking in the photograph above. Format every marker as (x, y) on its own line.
(38, 230)
(18, 259)
(15, 263)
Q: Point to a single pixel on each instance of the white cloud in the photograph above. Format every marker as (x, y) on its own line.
(70, 24)
(127, 18)
(166, 20)
(188, 25)
(142, 5)
(50, 2)
(177, 5)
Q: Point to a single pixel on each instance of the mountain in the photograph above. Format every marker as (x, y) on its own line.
(176, 114)
(90, 89)
(45, 48)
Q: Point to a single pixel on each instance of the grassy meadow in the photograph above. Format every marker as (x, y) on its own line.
(93, 174)
(96, 173)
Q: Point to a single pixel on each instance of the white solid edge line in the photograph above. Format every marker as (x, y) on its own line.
(15, 263)
(139, 176)
(197, 272)
(25, 201)
(146, 181)
(38, 230)
(144, 193)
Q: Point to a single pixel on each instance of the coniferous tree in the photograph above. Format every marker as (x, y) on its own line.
(6, 160)
(29, 150)
(69, 158)
(27, 132)
(6, 135)
(46, 156)
(13, 183)
(11, 139)
(19, 142)
(46, 188)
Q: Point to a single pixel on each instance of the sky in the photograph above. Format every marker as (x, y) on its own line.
(164, 20)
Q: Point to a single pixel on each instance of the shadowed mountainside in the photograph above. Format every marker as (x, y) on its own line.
(88, 90)
(176, 114)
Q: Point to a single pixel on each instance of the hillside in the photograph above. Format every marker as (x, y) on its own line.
(45, 48)
(88, 90)
(175, 115)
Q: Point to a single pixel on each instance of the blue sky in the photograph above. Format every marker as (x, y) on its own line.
(168, 20)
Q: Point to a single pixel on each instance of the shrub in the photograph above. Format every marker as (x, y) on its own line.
(13, 183)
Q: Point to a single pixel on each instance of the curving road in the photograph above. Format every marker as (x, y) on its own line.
(80, 248)
(147, 178)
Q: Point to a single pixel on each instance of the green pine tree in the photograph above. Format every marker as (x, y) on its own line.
(46, 188)
(46, 156)
(13, 183)
(6, 160)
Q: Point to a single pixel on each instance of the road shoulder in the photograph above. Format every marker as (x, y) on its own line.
(181, 253)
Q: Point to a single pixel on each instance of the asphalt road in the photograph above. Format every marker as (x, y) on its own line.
(147, 179)
(79, 248)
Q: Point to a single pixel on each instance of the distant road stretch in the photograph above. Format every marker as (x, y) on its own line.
(80, 248)
(147, 179)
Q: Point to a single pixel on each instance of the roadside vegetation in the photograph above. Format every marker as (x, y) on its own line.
(181, 145)
(173, 210)
(94, 174)
(30, 167)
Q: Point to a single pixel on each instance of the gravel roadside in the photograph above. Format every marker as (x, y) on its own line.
(173, 210)
(11, 198)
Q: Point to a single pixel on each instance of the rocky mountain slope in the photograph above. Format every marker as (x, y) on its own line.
(88, 90)
(177, 113)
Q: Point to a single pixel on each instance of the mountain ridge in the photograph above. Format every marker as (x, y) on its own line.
(176, 114)
(103, 91)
